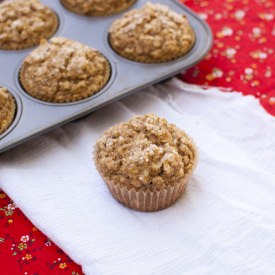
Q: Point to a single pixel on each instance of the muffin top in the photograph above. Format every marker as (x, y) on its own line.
(145, 152)
(7, 109)
(151, 34)
(23, 23)
(64, 71)
(97, 7)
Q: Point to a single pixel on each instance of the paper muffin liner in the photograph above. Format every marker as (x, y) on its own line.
(147, 60)
(24, 45)
(148, 200)
(105, 13)
(27, 88)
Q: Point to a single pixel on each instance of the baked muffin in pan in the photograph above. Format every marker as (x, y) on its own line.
(152, 34)
(64, 70)
(23, 23)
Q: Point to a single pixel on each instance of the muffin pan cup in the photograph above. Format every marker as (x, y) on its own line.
(35, 117)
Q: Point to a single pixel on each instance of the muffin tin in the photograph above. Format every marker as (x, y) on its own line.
(34, 117)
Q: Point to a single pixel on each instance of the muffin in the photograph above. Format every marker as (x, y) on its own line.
(23, 23)
(64, 71)
(7, 109)
(152, 34)
(145, 162)
(97, 7)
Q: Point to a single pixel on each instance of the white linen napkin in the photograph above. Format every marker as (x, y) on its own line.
(224, 223)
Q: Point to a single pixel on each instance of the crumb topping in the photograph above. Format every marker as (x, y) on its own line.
(97, 7)
(23, 23)
(151, 34)
(64, 71)
(7, 109)
(147, 151)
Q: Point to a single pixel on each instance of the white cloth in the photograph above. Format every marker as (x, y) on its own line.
(224, 223)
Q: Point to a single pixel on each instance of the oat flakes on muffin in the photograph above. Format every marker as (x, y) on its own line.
(152, 34)
(145, 162)
(7, 109)
(23, 23)
(63, 71)
(97, 7)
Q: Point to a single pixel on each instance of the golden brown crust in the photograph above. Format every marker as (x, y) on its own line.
(23, 23)
(7, 109)
(64, 71)
(97, 7)
(152, 34)
(145, 153)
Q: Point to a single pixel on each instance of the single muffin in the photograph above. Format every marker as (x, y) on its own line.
(97, 7)
(23, 23)
(152, 34)
(145, 162)
(64, 71)
(7, 109)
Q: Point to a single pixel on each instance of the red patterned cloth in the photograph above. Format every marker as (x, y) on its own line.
(242, 59)
(25, 250)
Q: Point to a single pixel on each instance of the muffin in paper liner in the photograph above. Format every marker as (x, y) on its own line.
(7, 109)
(152, 34)
(63, 71)
(30, 22)
(145, 198)
(98, 7)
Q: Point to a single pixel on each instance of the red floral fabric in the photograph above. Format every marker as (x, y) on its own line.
(25, 250)
(242, 59)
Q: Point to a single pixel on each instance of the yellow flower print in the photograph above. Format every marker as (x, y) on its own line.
(268, 72)
(255, 83)
(220, 44)
(10, 220)
(248, 73)
(228, 79)
(210, 77)
(216, 73)
(266, 16)
(258, 55)
(62, 265)
(28, 257)
(262, 40)
(217, 16)
(22, 246)
(2, 196)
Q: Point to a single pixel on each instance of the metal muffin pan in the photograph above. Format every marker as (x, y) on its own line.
(34, 117)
